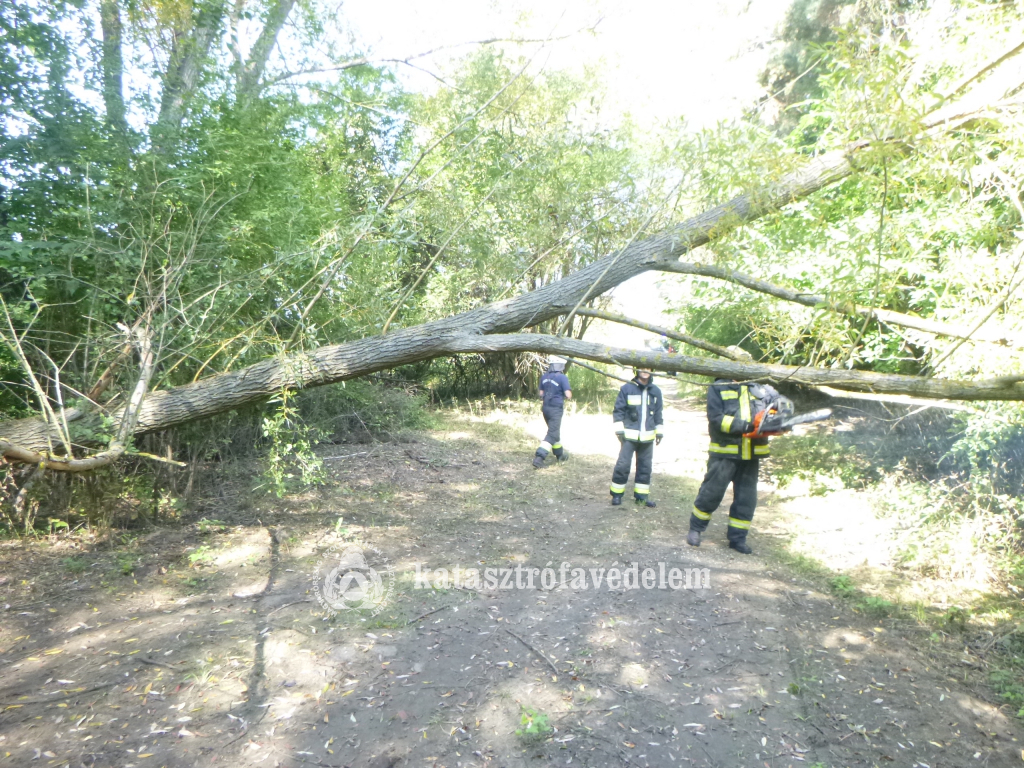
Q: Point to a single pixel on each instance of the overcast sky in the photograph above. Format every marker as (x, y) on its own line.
(661, 60)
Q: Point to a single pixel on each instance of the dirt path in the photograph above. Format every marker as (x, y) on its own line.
(205, 646)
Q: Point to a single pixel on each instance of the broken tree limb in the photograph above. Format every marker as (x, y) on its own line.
(857, 381)
(339, 362)
(887, 316)
(129, 416)
(693, 341)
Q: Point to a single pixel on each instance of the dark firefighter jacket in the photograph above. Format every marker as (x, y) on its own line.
(637, 412)
(732, 407)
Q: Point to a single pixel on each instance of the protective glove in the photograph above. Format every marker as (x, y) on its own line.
(657, 439)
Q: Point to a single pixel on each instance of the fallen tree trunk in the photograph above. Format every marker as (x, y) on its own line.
(339, 362)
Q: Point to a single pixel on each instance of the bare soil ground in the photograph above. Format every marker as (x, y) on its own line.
(204, 645)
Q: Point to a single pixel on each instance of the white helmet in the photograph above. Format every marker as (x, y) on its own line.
(556, 363)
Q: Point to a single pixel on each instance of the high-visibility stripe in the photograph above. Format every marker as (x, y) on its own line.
(745, 416)
(730, 394)
(616, 488)
(701, 515)
(643, 411)
(618, 426)
(727, 422)
(646, 436)
(632, 399)
(762, 450)
(556, 446)
(736, 523)
(631, 434)
(545, 445)
(641, 488)
(659, 431)
(716, 448)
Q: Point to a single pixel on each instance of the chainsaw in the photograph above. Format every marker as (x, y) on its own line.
(769, 422)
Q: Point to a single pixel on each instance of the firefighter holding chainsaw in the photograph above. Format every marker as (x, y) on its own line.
(741, 418)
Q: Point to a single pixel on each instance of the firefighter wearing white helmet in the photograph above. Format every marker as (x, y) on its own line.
(638, 425)
(554, 388)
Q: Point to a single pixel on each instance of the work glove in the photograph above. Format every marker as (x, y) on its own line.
(657, 440)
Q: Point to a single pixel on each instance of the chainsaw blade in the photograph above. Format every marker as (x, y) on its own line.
(806, 418)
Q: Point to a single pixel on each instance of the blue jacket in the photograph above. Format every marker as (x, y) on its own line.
(554, 385)
(637, 412)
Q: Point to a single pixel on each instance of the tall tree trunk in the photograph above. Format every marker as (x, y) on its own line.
(112, 64)
(188, 56)
(249, 79)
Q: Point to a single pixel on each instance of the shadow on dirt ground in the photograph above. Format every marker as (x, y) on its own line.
(206, 645)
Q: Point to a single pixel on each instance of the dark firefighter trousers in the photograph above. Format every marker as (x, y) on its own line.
(644, 459)
(722, 471)
(553, 439)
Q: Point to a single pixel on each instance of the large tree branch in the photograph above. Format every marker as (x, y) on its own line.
(890, 317)
(1002, 388)
(686, 338)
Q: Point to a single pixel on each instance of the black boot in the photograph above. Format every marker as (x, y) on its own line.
(563, 456)
(538, 462)
(693, 538)
(742, 547)
(616, 499)
(643, 500)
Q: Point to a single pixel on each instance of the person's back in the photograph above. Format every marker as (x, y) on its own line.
(554, 384)
(555, 389)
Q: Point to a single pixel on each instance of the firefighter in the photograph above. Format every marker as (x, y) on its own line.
(638, 425)
(554, 388)
(739, 413)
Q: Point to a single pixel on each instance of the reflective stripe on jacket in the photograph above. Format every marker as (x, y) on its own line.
(637, 412)
(732, 407)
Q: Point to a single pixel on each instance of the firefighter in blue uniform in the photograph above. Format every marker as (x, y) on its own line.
(554, 388)
(638, 425)
(739, 415)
